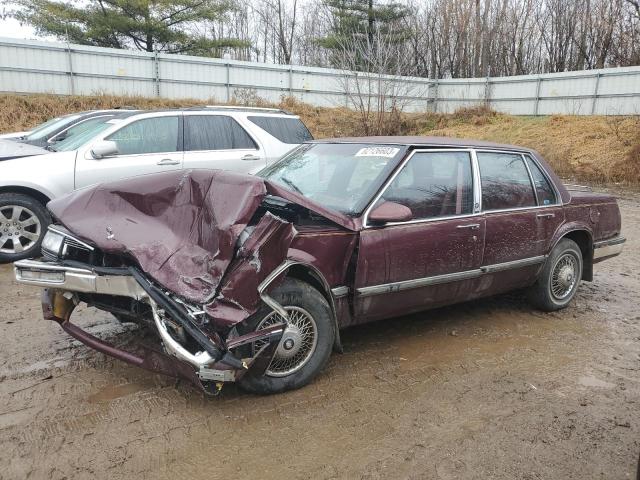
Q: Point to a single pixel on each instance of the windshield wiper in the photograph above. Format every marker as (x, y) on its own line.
(50, 148)
(291, 185)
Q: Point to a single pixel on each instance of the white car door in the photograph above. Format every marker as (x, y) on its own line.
(147, 145)
(220, 142)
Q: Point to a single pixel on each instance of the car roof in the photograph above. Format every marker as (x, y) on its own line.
(423, 141)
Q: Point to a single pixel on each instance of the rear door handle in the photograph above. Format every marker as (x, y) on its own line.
(168, 161)
(250, 158)
(545, 215)
(472, 226)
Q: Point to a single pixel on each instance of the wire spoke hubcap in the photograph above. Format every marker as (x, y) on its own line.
(564, 276)
(19, 229)
(297, 344)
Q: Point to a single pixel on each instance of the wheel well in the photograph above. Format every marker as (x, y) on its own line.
(41, 197)
(583, 239)
(308, 275)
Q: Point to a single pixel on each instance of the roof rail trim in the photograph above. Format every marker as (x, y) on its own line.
(248, 109)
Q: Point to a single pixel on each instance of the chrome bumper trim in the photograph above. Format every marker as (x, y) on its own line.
(78, 280)
(608, 248)
(173, 347)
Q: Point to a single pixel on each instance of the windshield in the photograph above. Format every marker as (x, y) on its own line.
(44, 130)
(340, 176)
(82, 135)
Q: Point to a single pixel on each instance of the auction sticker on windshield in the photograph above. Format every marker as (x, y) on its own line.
(389, 152)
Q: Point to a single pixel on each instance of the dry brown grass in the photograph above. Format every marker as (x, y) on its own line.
(590, 149)
(585, 148)
(22, 112)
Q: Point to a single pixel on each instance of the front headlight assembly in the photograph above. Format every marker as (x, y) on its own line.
(52, 244)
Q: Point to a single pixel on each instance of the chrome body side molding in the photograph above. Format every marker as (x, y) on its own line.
(447, 278)
(525, 262)
(339, 292)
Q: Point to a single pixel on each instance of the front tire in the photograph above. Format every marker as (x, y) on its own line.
(306, 345)
(23, 223)
(559, 279)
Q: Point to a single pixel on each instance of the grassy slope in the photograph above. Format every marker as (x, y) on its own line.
(593, 149)
(596, 149)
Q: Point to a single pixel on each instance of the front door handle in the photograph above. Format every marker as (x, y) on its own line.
(168, 161)
(472, 226)
(545, 215)
(250, 158)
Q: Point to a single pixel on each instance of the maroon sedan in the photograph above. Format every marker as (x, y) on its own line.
(249, 279)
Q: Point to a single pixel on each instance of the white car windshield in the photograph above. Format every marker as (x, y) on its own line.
(79, 138)
(43, 131)
(340, 176)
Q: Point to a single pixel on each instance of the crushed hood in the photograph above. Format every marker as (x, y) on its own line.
(182, 228)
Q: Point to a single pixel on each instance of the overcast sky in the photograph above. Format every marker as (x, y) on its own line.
(10, 27)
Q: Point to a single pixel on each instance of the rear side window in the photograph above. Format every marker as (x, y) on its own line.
(546, 195)
(149, 135)
(215, 132)
(505, 181)
(287, 130)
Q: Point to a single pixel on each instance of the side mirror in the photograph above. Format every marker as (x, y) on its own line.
(104, 148)
(388, 212)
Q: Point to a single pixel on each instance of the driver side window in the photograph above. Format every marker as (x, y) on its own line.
(434, 184)
(149, 135)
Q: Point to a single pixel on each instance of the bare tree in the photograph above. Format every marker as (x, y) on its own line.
(380, 92)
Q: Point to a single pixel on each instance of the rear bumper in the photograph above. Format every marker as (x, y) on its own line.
(58, 302)
(608, 248)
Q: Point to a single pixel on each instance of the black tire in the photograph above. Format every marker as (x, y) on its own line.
(32, 208)
(544, 293)
(294, 293)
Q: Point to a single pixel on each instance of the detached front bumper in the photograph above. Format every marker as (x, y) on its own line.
(61, 283)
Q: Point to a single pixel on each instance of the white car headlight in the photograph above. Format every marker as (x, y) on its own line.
(53, 242)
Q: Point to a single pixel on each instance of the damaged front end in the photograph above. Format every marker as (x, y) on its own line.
(191, 353)
(192, 255)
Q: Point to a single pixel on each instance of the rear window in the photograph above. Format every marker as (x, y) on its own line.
(287, 130)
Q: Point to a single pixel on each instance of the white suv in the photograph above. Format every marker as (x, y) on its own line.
(229, 138)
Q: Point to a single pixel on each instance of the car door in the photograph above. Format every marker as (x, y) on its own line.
(218, 141)
(550, 214)
(147, 145)
(432, 259)
(512, 245)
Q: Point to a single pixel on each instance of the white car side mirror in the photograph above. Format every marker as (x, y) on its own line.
(104, 148)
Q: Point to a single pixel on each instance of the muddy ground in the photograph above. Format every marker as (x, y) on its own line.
(488, 389)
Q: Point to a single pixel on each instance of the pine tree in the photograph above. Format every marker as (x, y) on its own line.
(365, 22)
(170, 26)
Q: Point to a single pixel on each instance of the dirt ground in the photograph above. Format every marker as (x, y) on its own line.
(488, 389)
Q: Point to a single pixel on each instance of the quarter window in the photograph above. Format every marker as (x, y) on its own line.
(505, 181)
(215, 132)
(149, 135)
(434, 184)
(287, 130)
(546, 195)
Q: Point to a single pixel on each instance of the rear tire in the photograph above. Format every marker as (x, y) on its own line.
(559, 279)
(309, 313)
(23, 223)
